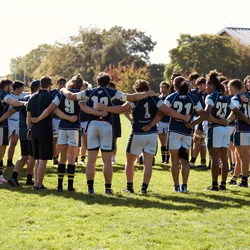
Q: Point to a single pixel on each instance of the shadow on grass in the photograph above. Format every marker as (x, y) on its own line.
(186, 202)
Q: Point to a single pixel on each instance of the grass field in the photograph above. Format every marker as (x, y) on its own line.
(33, 219)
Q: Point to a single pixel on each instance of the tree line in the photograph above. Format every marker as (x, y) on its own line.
(125, 55)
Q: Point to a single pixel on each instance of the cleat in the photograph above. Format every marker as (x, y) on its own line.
(212, 188)
(59, 189)
(232, 182)
(109, 192)
(40, 188)
(177, 189)
(13, 182)
(29, 183)
(129, 190)
(81, 163)
(143, 192)
(243, 184)
(91, 192)
(222, 188)
(71, 189)
(55, 162)
(113, 162)
(10, 164)
(2, 179)
(184, 188)
(191, 165)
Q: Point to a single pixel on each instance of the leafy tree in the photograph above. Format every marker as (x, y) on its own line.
(156, 73)
(203, 53)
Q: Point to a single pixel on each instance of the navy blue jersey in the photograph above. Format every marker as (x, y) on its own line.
(240, 125)
(143, 112)
(201, 96)
(165, 118)
(100, 95)
(70, 108)
(232, 123)
(183, 104)
(220, 105)
(55, 92)
(3, 107)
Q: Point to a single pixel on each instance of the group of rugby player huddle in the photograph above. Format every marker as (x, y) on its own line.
(55, 122)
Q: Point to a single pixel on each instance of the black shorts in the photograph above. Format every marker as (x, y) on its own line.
(26, 148)
(42, 146)
(117, 130)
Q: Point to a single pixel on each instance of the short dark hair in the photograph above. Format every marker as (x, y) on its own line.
(103, 79)
(17, 84)
(61, 81)
(141, 85)
(165, 83)
(175, 75)
(4, 82)
(236, 83)
(201, 80)
(45, 82)
(193, 76)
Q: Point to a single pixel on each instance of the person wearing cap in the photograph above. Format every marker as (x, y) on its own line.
(5, 101)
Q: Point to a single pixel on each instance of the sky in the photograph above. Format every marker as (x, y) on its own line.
(25, 24)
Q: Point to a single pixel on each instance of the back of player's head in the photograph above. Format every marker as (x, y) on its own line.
(236, 83)
(112, 85)
(164, 83)
(193, 76)
(222, 78)
(17, 84)
(181, 85)
(141, 86)
(35, 85)
(103, 79)
(201, 80)
(4, 82)
(60, 81)
(45, 82)
(76, 82)
(212, 78)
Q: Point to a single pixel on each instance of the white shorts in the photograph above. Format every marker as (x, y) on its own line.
(241, 139)
(162, 127)
(218, 137)
(83, 127)
(205, 127)
(100, 135)
(13, 127)
(176, 141)
(147, 143)
(55, 125)
(68, 137)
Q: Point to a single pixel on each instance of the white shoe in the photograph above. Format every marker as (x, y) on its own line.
(81, 163)
(2, 179)
(113, 162)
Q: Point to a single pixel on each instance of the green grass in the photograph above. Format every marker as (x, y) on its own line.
(162, 220)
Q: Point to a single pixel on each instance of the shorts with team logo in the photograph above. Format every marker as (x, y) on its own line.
(83, 127)
(162, 127)
(55, 126)
(13, 127)
(4, 138)
(218, 137)
(147, 143)
(100, 135)
(176, 141)
(241, 138)
(68, 137)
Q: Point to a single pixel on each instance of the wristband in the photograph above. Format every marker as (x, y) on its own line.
(228, 120)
